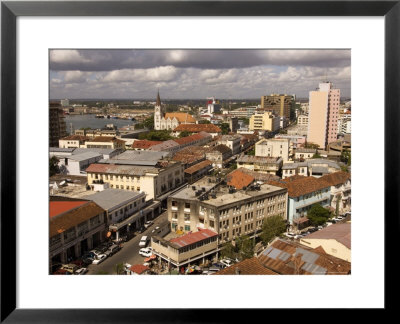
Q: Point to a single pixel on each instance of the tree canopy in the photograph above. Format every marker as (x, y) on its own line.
(272, 227)
(53, 166)
(156, 135)
(318, 215)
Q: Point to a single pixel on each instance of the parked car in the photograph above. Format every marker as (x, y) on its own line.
(112, 249)
(155, 230)
(143, 241)
(148, 224)
(290, 235)
(71, 268)
(99, 259)
(213, 269)
(146, 252)
(219, 265)
(142, 229)
(226, 262)
(94, 253)
(81, 271)
(312, 230)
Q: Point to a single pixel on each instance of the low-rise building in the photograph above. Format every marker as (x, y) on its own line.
(187, 248)
(219, 155)
(303, 153)
(154, 179)
(197, 171)
(311, 167)
(334, 239)
(295, 141)
(271, 165)
(303, 193)
(239, 179)
(141, 145)
(340, 183)
(231, 141)
(274, 147)
(107, 142)
(75, 226)
(76, 164)
(302, 120)
(119, 206)
(292, 258)
(197, 128)
(73, 141)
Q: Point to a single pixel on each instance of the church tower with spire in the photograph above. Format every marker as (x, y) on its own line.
(158, 113)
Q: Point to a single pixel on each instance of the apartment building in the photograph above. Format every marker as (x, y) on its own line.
(73, 141)
(280, 104)
(211, 204)
(231, 141)
(274, 147)
(323, 115)
(57, 126)
(265, 121)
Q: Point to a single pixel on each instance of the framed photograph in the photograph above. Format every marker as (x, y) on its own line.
(181, 50)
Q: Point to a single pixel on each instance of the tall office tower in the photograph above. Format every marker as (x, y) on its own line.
(323, 114)
(279, 104)
(57, 126)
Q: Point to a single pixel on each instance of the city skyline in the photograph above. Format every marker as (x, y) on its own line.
(195, 74)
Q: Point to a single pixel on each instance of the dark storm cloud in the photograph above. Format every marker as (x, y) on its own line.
(108, 60)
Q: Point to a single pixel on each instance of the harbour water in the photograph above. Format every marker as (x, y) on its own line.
(90, 120)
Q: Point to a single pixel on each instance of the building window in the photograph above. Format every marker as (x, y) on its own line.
(187, 217)
(174, 203)
(187, 227)
(187, 205)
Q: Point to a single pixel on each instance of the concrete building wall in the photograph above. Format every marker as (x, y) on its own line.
(317, 118)
(273, 148)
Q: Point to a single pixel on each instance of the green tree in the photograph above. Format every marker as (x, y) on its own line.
(251, 152)
(311, 145)
(228, 251)
(344, 168)
(318, 215)
(245, 246)
(225, 128)
(53, 165)
(161, 135)
(102, 272)
(119, 268)
(316, 156)
(185, 134)
(149, 122)
(204, 121)
(346, 156)
(273, 226)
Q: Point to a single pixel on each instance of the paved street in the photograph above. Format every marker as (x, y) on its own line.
(129, 252)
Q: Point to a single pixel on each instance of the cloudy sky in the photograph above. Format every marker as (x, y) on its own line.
(194, 74)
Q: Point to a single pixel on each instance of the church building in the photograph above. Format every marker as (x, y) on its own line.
(169, 121)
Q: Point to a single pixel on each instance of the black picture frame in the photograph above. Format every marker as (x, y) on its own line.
(10, 10)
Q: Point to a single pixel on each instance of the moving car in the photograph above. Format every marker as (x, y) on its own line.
(71, 268)
(143, 241)
(148, 224)
(155, 230)
(99, 259)
(146, 252)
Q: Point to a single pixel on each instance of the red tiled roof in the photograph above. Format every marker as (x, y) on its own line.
(192, 238)
(75, 138)
(181, 117)
(191, 138)
(72, 217)
(59, 207)
(239, 179)
(195, 128)
(144, 144)
(139, 268)
(299, 185)
(333, 179)
(247, 267)
(198, 166)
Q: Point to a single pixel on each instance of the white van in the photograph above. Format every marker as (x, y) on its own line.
(143, 241)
